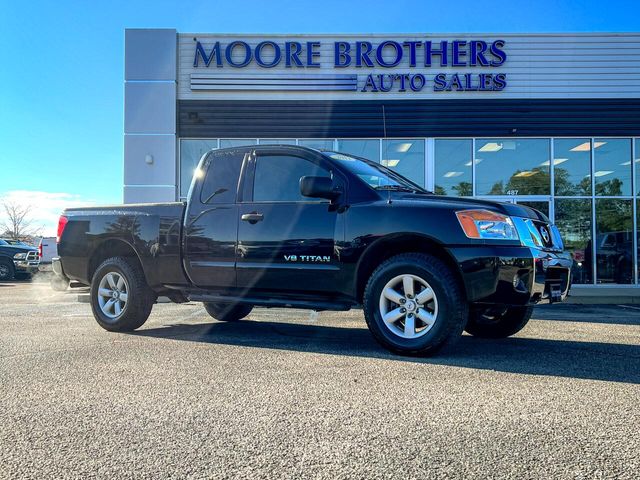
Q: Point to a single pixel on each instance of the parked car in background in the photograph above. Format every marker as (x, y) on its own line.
(48, 249)
(614, 257)
(15, 242)
(17, 260)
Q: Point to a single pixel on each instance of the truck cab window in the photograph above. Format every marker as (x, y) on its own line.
(277, 178)
(221, 182)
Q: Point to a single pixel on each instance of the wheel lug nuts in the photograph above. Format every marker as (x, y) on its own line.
(403, 301)
(403, 310)
(409, 296)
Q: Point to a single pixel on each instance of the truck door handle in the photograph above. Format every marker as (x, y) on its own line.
(253, 217)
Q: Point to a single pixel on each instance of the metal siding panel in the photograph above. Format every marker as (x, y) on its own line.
(150, 54)
(538, 66)
(419, 118)
(150, 107)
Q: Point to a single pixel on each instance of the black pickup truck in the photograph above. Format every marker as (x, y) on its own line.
(287, 226)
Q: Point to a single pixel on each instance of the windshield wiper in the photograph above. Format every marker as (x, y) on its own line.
(396, 188)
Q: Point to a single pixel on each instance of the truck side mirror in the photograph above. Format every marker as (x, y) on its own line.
(318, 187)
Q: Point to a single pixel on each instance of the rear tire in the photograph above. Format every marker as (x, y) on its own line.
(7, 270)
(121, 300)
(228, 312)
(481, 324)
(414, 305)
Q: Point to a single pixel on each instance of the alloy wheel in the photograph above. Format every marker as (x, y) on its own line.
(113, 294)
(408, 306)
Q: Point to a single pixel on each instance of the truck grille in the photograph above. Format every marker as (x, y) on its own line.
(32, 256)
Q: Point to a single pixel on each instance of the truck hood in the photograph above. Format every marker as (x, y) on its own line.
(461, 203)
(18, 248)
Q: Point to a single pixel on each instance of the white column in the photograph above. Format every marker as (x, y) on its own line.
(150, 166)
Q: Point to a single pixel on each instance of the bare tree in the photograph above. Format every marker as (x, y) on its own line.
(18, 225)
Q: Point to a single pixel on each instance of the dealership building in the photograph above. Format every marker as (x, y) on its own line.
(547, 120)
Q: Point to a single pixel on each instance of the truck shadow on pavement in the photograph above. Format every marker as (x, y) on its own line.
(602, 314)
(531, 356)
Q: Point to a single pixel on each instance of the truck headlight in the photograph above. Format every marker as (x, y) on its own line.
(484, 224)
(20, 256)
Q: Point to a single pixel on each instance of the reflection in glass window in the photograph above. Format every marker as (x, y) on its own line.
(512, 166)
(614, 241)
(374, 174)
(221, 181)
(540, 205)
(453, 167)
(573, 218)
(612, 165)
(405, 157)
(637, 162)
(638, 231)
(572, 166)
(369, 149)
(191, 152)
(277, 141)
(236, 142)
(277, 178)
(318, 144)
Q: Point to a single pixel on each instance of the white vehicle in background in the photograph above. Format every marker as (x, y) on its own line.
(48, 249)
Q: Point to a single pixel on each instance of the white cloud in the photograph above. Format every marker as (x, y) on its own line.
(46, 207)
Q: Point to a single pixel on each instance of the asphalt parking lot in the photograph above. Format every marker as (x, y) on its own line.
(289, 394)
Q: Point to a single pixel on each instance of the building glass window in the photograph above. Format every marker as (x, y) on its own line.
(236, 142)
(512, 166)
(572, 166)
(369, 149)
(614, 241)
(638, 235)
(508, 166)
(277, 141)
(191, 152)
(573, 218)
(318, 144)
(637, 164)
(405, 157)
(453, 167)
(540, 205)
(612, 166)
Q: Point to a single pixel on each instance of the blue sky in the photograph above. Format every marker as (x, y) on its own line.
(61, 75)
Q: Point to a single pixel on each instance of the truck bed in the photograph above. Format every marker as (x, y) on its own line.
(151, 230)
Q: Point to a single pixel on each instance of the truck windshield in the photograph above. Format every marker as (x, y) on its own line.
(375, 175)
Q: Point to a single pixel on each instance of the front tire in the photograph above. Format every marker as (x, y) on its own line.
(7, 270)
(488, 324)
(414, 305)
(228, 312)
(121, 300)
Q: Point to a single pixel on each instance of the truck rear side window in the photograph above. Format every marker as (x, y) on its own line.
(221, 181)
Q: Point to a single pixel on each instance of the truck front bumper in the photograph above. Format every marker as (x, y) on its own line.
(514, 275)
(26, 266)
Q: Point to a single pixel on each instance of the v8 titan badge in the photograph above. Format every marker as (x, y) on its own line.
(308, 258)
